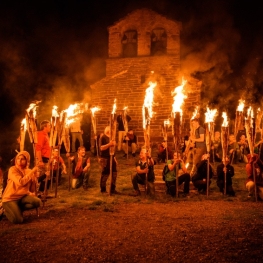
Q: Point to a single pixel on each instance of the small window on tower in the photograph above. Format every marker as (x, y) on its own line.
(158, 42)
(129, 43)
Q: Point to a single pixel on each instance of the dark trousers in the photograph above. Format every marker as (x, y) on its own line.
(229, 188)
(171, 185)
(105, 165)
(201, 185)
(41, 180)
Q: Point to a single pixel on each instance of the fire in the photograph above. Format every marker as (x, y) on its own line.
(148, 102)
(250, 112)
(210, 115)
(114, 107)
(225, 121)
(32, 109)
(241, 105)
(23, 124)
(93, 110)
(196, 112)
(55, 111)
(73, 112)
(179, 97)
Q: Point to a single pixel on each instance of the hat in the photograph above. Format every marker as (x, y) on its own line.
(26, 155)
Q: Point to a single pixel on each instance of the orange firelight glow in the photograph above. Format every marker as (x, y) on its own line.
(179, 97)
(210, 115)
(225, 121)
(148, 103)
(241, 105)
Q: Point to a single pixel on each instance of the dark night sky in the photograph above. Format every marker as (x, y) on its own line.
(50, 47)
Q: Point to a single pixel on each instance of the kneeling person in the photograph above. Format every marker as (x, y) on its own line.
(144, 166)
(183, 175)
(80, 169)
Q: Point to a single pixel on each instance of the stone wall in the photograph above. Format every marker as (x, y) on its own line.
(127, 78)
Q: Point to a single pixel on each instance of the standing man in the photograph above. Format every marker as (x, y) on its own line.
(199, 143)
(105, 144)
(76, 133)
(80, 169)
(145, 165)
(183, 175)
(121, 119)
(43, 151)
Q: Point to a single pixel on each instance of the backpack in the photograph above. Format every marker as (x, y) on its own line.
(165, 171)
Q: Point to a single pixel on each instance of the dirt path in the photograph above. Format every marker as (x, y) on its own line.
(190, 231)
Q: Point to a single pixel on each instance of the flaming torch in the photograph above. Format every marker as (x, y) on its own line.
(53, 137)
(22, 134)
(250, 131)
(189, 145)
(32, 130)
(146, 120)
(209, 121)
(239, 117)
(177, 113)
(224, 139)
(113, 128)
(94, 125)
(166, 124)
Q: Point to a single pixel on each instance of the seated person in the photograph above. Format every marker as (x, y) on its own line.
(162, 154)
(54, 167)
(80, 169)
(254, 163)
(144, 167)
(199, 179)
(183, 175)
(233, 149)
(129, 141)
(223, 168)
(20, 192)
(244, 149)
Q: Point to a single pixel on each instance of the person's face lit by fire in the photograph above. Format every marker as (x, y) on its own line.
(232, 138)
(21, 161)
(55, 152)
(47, 128)
(107, 131)
(217, 135)
(143, 154)
(195, 124)
(81, 151)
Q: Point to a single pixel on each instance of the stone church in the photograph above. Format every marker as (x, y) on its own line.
(143, 46)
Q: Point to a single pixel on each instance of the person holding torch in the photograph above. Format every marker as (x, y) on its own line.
(105, 145)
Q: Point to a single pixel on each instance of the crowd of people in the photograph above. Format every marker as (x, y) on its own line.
(24, 188)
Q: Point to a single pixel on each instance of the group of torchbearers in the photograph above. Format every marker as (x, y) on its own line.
(27, 188)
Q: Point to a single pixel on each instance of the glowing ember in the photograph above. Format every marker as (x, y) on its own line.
(210, 115)
(186, 166)
(94, 109)
(225, 121)
(179, 97)
(148, 102)
(241, 105)
(114, 107)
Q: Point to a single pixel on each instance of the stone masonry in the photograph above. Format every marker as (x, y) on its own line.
(128, 77)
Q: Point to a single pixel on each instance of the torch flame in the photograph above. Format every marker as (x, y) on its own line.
(55, 111)
(32, 108)
(195, 113)
(114, 107)
(166, 123)
(250, 112)
(148, 102)
(210, 115)
(225, 121)
(93, 110)
(241, 105)
(23, 124)
(179, 97)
